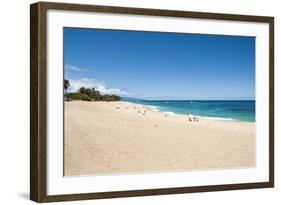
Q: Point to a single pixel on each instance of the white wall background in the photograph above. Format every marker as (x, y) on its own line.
(14, 101)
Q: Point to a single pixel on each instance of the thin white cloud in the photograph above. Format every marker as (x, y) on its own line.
(70, 68)
(76, 84)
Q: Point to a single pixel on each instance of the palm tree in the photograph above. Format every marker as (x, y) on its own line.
(97, 95)
(89, 92)
(66, 86)
(82, 90)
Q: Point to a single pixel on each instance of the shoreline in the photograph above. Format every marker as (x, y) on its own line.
(156, 109)
(124, 137)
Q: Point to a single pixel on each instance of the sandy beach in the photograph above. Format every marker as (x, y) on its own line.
(122, 137)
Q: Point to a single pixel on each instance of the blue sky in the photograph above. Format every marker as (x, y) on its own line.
(154, 65)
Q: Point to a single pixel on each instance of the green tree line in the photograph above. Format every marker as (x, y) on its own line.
(87, 94)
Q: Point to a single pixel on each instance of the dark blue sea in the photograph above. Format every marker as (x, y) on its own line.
(224, 110)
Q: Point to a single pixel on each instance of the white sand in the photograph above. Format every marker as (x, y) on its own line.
(122, 137)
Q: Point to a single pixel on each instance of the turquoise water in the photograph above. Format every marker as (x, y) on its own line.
(226, 110)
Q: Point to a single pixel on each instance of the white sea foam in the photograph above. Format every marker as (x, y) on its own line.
(202, 117)
(151, 107)
(219, 118)
(155, 108)
(170, 113)
(213, 118)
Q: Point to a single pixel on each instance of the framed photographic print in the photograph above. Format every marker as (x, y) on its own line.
(134, 102)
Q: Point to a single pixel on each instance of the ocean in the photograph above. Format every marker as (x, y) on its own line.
(215, 109)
